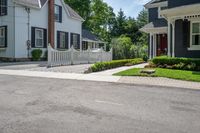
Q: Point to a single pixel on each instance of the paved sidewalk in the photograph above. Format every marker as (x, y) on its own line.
(149, 81)
(116, 70)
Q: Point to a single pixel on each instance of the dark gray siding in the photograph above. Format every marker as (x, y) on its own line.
(175, 3)
(153, 17)
(181, 48)
(153, 14)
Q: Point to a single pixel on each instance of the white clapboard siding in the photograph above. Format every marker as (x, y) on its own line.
(72, 56)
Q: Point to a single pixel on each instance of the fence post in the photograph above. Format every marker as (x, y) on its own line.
(88, 51)
(72, 55)
(49, 56)
(101, 52)
(111, 52)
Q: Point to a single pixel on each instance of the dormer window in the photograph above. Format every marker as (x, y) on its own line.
(3, 7)
(58, 13)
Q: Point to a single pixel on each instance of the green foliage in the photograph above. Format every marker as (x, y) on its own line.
(123, 48)
(177, 63)
(114, 64)
(101, 20)
(36, 54)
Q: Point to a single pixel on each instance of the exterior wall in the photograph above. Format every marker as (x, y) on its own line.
(38, 18)
(181, 47)
(17, 24)
(153, 14)
(8, 21)
(175, 3)
(68, 24)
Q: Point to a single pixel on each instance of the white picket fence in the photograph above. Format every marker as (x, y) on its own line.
(72, 56)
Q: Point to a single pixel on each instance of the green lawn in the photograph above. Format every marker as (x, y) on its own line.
(168, 73)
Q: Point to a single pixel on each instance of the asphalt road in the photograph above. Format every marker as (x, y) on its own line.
(39, 105)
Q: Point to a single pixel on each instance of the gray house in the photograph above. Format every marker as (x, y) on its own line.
(174, 28)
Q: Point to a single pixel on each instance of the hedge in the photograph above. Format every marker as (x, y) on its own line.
(177, 63)
(114, 64)
(36, 54)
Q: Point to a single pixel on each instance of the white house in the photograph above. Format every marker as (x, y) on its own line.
(31, 24)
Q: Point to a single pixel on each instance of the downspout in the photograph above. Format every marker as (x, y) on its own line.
(14, 28)
(28, 43)
(51, 23)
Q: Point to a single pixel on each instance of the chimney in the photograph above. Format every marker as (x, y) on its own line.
(51, 23)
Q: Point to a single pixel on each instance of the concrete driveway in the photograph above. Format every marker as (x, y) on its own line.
(41, 66)
(41, 105)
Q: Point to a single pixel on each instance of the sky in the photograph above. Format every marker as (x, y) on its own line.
(130, 7)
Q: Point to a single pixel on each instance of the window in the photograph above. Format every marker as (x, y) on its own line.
(195, 34)
(58, 13)
(3, 7)
(75, 41)
(2, 37)
(39, 38)
(62, 40)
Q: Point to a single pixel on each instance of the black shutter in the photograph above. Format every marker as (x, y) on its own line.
(6, 36)
(71, 39)
(60, 14)
(66, 40)
(45, 38)
(58, 39)
(186, 33)
(33, 37)
(79, 41)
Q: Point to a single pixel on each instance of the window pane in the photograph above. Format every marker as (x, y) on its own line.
(2, 42)
(62, 40)
(57, 16)
(196, 40)
(39, 34)
(39, 42)
(196, 27)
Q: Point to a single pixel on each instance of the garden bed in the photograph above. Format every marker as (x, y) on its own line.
(114, 64)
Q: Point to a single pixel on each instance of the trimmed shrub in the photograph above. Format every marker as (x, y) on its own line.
(36, 54)
(177, 63)
(114, 64)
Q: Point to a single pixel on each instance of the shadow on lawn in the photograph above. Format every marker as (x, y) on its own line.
(196, 72)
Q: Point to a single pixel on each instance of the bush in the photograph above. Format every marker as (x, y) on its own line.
(114, 64)
(36, 54)
(177, 63)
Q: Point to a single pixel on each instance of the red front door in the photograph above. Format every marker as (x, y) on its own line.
(161, 44)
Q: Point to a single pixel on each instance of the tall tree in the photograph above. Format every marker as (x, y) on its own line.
(119, 24)
(82, 7)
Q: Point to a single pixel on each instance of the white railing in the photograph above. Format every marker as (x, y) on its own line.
(72, 56)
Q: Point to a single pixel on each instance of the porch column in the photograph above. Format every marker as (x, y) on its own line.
(154, 45)
(173, 38)
(169, 39)
(150, 47)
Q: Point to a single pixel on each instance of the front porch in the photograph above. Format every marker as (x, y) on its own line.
(183, 31)
(158, 39)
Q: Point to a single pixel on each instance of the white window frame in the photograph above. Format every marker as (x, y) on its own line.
(3, 36)
(62, 40)
(193, 47)
(42, 38)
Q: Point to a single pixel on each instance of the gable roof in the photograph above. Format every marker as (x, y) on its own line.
(31, 3)
(90, 37)
(153, 3)
(72, 13)
(40, 3)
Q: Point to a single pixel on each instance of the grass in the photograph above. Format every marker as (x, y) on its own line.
(167, 73)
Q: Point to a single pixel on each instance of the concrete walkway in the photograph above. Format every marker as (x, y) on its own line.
(149, 81)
